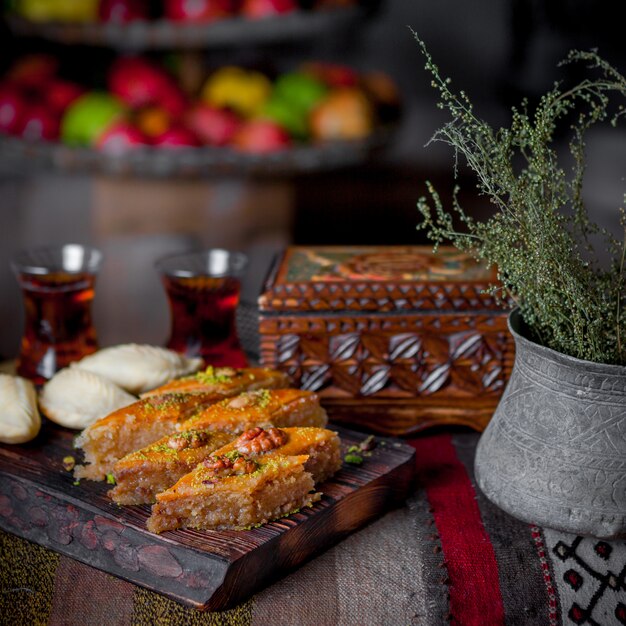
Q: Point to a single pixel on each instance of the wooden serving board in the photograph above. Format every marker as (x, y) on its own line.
(206, 569)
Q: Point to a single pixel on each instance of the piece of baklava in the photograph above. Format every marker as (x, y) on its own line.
(141, 423)
(235, 492)
(133, 427)
(267, 407)
(214, 378)
(141, 475)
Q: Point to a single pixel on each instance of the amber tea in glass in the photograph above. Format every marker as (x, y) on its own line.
(58, 288)
(203, 291)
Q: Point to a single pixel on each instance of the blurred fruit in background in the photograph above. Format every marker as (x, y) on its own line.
(332, 74)
(153, 121)
(181, 11)
(58, 10)
(119, 137)
(60, 94)
(234, 107)
(345, 114)
(261, 137)
(123, 11)
(214, 126)
(139, 83)
(38, 123)
(198, 10)
(89, 117)
(257, 9)
(12, 106)
(177, 136)
(300, 90)
(243, 91)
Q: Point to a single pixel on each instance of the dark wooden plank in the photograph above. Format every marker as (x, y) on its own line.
(206, 569)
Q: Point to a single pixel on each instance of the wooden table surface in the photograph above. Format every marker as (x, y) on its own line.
(446, 556)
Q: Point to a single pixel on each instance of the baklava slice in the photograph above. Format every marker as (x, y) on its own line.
(235, 492)
(141, 475)
(133, 427)
(142, 423)
(267, 407)
(216, 378)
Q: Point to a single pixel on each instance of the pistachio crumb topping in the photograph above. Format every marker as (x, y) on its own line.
(213, 375)
(353, 458)
(165, 402)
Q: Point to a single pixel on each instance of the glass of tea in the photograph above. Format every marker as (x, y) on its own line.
(58, 288)
(203, 291)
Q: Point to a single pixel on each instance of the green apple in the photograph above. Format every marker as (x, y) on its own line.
(89, 117)
(300, 90)
(293, 119)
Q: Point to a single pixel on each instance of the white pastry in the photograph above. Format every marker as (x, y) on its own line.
(76, 398)
(139, 368)
(19, 418)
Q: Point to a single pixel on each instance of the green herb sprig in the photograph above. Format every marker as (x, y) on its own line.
(540, 236)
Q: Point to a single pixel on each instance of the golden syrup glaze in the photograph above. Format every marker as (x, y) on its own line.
(221, 378)
(172, 407)
(162, 451)
(299, 441)
(258, 408)
(202, 480)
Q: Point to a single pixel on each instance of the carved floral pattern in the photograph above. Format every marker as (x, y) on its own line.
(409, 356)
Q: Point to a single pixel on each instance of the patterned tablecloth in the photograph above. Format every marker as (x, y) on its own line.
(447, 557)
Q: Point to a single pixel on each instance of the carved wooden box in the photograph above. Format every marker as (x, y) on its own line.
(394, 339)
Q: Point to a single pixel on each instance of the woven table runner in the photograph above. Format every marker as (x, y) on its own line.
(448, 557)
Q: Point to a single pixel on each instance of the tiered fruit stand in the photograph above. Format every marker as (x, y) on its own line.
(191, 39)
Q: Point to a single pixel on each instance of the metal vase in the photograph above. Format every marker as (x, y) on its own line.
(554, 453)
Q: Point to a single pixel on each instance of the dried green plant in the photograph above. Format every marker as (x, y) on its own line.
(540, 236)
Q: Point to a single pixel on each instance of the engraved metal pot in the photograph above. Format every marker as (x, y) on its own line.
(554, 453)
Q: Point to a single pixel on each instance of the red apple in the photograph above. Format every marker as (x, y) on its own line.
(139, 83)
(33, 70)
(59, 94)
(261, 137)
(213, 126)
(173, 101)
(333, 74)
(122, 11)
(255, 9)
(12, 106)
(39, 123)
(121, 137)
(176, 137)
(197, 10)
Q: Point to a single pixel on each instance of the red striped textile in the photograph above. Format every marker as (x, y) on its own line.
(475, 598)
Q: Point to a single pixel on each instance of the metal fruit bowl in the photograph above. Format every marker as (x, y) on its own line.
(30, 157)
(164, 34)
